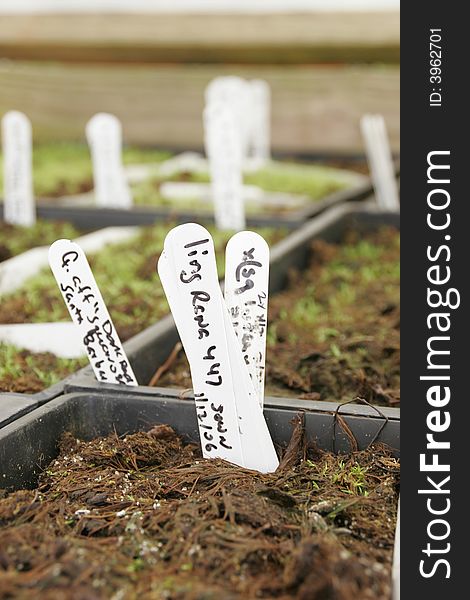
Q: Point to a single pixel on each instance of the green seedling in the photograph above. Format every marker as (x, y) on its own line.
(351, 479)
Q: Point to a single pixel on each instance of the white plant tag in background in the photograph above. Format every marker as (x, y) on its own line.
(18, 198)
(88, 311)
(231, 423)
(234, 93)
(380, 161)
(223, 149)
(246, 296)
(104, 136)
(260, 129)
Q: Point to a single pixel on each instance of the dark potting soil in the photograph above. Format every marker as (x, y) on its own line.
(333, 334)
(25, 372)
(145, 517)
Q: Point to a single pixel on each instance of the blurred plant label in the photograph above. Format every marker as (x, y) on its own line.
(223, 150)
(260, 126)
(380, 161)
(18, 198)
(104, 136)
(233, 93)
(229, 427)
(89, 313)
(246, 296)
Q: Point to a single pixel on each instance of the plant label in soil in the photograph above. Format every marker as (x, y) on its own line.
(231, 423)
(223, 149)
(380, 161)
(18, 197)
(89, 313)
(260, 130)
(104, 135)
(246, 296)
(257, 444)
(235, 94)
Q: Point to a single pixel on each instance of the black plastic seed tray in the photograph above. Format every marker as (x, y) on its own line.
(89, 217)
(28, 444)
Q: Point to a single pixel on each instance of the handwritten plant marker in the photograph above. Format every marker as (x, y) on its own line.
(257, 444)
(104, 136)
(18, 198)
(231, 424)
(89, 313)
(222, 141)
(188, 273)
(246, 297)
(379, 157)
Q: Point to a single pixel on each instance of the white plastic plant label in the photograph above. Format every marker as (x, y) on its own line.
(18, 198)
(188, 273)
(104, 136)
(246, 296)
(89, 313)
(258, 448)
(380, 161)
(231, 424)
(234, 93)
(260, 129)
(223, 149)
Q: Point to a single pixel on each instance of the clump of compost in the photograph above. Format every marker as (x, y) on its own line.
(144, 516)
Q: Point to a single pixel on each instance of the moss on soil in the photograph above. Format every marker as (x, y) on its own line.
(65, 167)
(15, 239)
(312, 181)
(24, 372)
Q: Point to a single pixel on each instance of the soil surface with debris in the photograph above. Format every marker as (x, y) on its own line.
(333, 334)
(144, 516)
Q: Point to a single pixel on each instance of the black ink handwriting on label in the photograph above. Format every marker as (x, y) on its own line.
(242, 271)
(198, 243)
(68, 258)
(209, 355)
